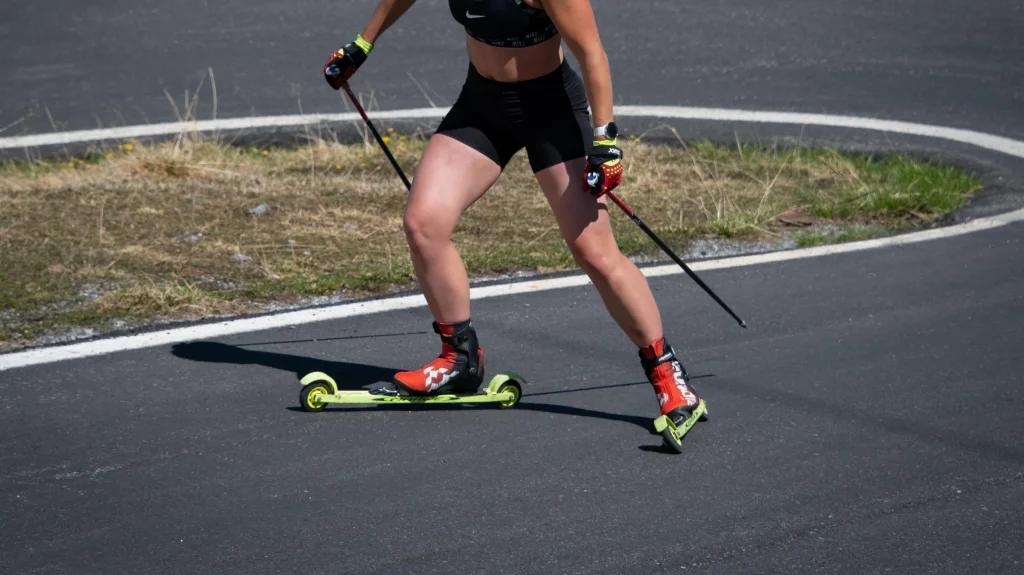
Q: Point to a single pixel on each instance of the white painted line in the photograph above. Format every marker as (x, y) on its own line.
(234, 124)
(977, 225)
(229, 327)
(980, 139)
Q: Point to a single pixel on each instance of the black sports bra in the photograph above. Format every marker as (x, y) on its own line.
(505, 23)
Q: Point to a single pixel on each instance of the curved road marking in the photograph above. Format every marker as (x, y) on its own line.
(229, 327)
(980, 139)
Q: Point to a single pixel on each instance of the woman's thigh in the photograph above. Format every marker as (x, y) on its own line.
(451, 176)
(582, 219)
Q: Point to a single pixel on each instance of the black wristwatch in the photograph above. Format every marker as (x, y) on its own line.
(608, 131)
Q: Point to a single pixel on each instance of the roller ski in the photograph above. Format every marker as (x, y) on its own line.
(681, 408)
(455, 376)
(319, 390)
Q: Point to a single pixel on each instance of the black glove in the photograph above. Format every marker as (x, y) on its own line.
(604, 168)
(346, 61)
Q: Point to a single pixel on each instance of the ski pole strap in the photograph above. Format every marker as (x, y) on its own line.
(365, 46)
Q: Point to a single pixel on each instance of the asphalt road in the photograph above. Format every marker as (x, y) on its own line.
(869, 421)
(109, 62)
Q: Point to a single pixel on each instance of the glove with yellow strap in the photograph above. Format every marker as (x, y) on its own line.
(346, 61)
(604, 162)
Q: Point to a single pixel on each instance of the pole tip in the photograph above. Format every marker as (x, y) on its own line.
(743, 324)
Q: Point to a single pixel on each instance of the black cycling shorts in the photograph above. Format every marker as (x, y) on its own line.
(547, 115)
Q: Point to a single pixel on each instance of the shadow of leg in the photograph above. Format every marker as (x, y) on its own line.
(581, 412)
(348, 375)
(660, 448)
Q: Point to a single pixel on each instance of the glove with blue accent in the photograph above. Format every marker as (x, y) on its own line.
(344, 63)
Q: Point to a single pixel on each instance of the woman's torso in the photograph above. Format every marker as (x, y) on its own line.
(508, 40)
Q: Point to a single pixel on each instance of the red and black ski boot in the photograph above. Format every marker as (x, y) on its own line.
(459, 369)
(679, 401)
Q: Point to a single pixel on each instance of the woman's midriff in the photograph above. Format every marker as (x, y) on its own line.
(515, 64)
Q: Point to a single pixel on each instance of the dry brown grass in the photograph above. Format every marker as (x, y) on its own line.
(164, 230)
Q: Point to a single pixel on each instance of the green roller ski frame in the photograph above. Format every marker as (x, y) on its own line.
(673, 434)
(319, 390)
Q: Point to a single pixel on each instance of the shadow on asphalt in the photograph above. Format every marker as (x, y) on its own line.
(357, 375)
(692, 377)
(644, 422)
(348, 375)
(319, 339)
(660, 449)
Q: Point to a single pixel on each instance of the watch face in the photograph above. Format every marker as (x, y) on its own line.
(612, 131)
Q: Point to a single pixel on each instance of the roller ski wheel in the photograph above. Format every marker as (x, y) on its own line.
(319, 390)
(673, 432)
(312, 395)
(508, 385)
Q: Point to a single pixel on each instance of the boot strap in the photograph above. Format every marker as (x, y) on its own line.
(649, 364)
(453, 340)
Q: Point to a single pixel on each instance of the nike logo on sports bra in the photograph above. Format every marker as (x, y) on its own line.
(503, 23)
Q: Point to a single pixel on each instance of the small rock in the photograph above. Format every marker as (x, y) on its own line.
(90, 292)
(57, 269)
(241, 258)
(260, 210)
(190, 238)
(791, 217)
(36, 315)
(353, 226)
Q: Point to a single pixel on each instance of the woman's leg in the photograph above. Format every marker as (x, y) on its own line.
(584, 223)
(450, 177)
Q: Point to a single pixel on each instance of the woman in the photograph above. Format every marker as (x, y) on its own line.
(521, 93)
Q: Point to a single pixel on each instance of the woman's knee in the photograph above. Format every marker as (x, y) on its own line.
(597, 258)
(426, 227)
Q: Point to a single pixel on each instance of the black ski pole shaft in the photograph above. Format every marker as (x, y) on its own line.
(640, 223)
(376, 135)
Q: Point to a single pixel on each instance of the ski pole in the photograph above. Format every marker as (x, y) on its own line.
(376, 135)
(621, 204)
(674, 257)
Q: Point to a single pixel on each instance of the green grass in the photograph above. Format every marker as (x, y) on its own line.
(141, 232)
(899, 187)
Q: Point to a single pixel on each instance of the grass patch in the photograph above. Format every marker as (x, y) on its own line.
(165, 230)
